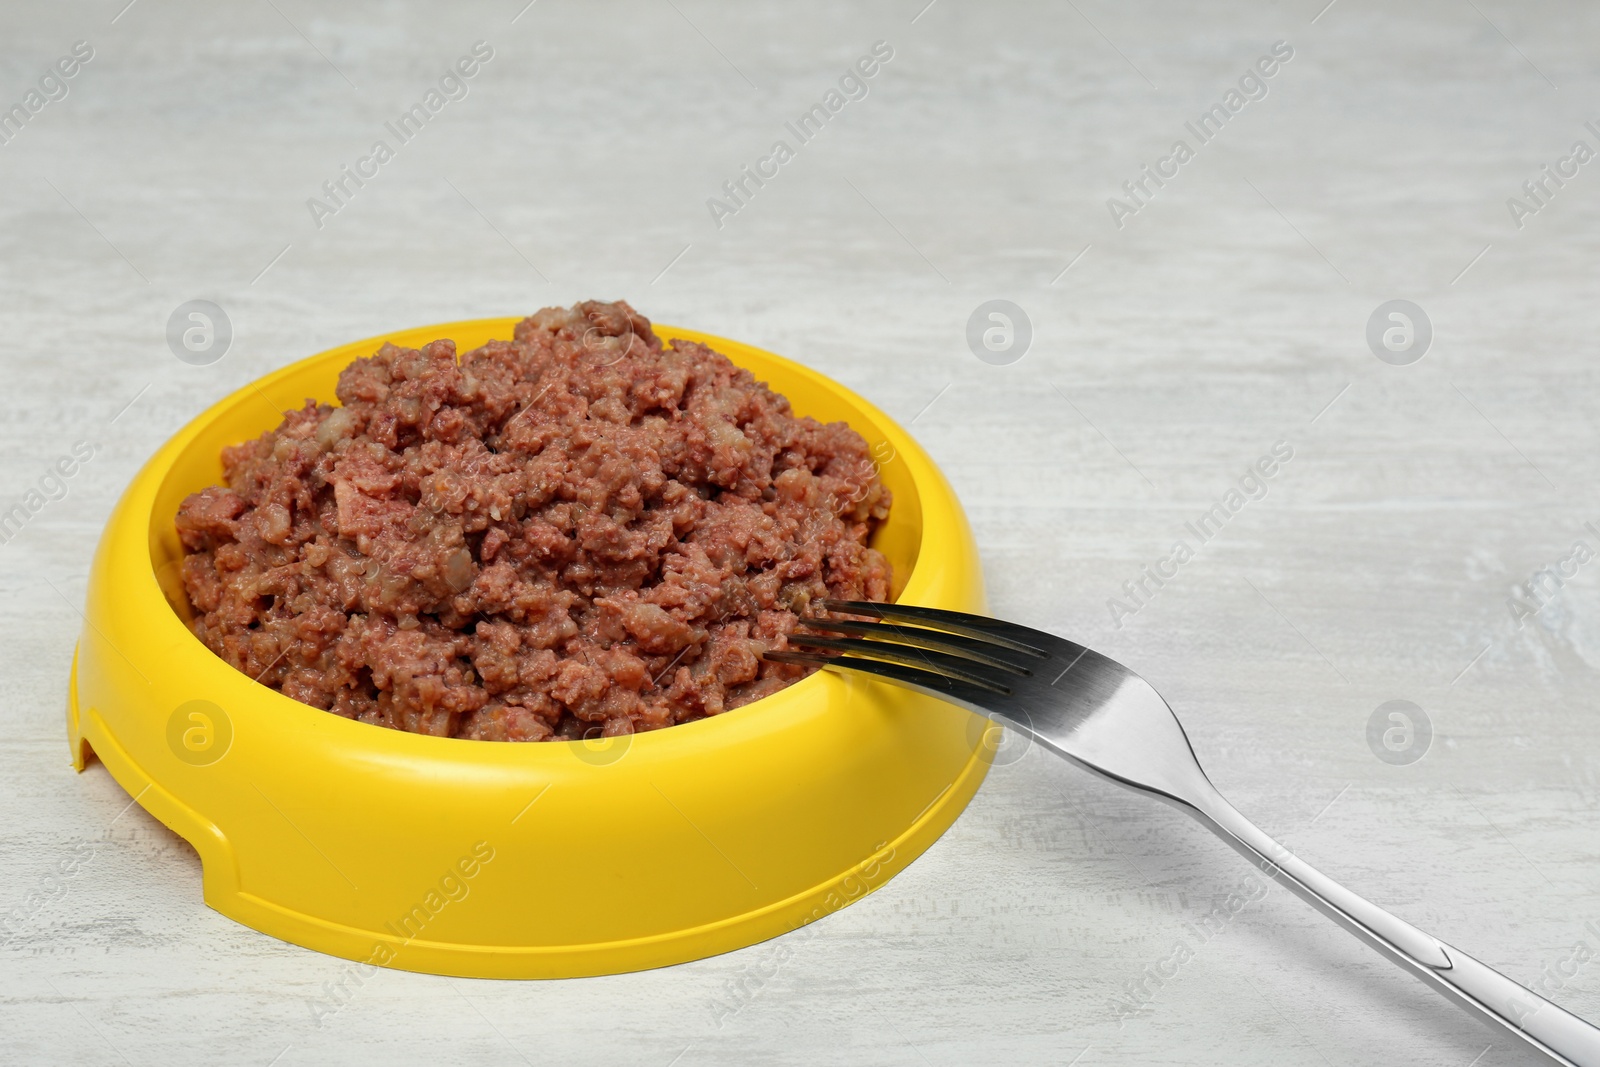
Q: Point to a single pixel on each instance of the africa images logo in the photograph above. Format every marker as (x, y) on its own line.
(52, 87)
(1252, 485)
(1252, 85)
(453, 85)
(853, 85)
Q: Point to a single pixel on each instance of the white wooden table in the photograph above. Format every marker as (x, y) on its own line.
(1227, 313)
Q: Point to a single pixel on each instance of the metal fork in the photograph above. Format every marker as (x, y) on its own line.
(1100, 715)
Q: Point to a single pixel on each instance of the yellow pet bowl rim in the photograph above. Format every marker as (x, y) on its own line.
(482, 859)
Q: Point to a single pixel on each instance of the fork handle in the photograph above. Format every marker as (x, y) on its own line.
(1476, 986)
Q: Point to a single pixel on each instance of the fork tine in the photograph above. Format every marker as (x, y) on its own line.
(983, 652)
(963, 670)
(920, 658)
(978, 627)
(975, 697)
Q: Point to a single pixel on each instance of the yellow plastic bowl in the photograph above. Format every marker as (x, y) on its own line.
(544, 860)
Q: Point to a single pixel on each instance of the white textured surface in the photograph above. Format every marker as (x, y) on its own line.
(1219, 320)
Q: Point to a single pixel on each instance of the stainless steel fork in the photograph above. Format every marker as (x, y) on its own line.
(1102, 716)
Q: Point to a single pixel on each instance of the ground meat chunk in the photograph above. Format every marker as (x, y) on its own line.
(577, 532)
